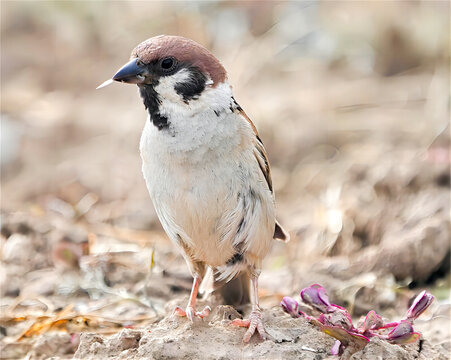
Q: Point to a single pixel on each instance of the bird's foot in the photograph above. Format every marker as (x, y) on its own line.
(255, 322)
(190, 312)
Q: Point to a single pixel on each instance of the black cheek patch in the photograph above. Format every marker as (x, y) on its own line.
(193, 87)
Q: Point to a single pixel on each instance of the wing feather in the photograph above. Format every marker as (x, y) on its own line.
(262, 159)
(259, 151)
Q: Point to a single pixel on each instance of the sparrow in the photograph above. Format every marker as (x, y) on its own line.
(206, 170)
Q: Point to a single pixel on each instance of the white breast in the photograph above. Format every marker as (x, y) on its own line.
(199, 171)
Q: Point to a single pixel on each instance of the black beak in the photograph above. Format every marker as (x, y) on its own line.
(131, 73)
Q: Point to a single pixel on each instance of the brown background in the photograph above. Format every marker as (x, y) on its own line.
(351, 100)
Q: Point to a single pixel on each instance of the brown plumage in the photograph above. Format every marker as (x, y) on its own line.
(263, 162)
(184, 50)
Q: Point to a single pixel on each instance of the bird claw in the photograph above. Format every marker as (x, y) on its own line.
(190, 312)
(255, 322)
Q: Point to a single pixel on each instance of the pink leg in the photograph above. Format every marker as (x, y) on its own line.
(255, 321)
(190, 311)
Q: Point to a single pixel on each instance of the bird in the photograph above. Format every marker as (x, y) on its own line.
(206, 170)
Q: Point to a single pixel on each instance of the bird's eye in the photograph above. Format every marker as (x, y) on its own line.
(168, 64)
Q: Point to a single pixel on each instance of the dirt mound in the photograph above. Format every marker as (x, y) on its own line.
(177, 338)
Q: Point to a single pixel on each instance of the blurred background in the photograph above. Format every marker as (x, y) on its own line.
(350, 98)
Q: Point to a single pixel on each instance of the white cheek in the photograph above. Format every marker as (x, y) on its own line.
(173, 105)
(166, 84)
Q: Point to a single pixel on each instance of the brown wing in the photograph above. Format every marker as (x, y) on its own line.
(262, 159)
(259, 151)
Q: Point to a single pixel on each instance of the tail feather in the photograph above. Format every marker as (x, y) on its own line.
(235, 292)
(280, 233)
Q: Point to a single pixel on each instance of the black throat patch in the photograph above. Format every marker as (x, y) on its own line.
(152, 104)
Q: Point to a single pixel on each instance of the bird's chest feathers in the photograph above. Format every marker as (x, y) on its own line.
(194, 175)
(202, 175)
(194, 154)
(200, 130)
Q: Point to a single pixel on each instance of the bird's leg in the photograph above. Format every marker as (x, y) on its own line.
(190, 311)
(255, 321)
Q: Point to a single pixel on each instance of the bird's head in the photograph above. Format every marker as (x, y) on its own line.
(167, 57)
(172, 69)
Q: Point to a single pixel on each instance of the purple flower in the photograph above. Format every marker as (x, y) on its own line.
(346, 338)
(403, 334)
(339, 317)
(335, 320)
(316, 296)
(419, 305)
(336, 349)
(290, 306)
(372, 321)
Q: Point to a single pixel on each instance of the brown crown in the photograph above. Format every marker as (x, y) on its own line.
(184, 50)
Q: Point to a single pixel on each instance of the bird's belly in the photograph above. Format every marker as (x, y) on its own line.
(205, 210)
(215, 203)
(190, 205)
